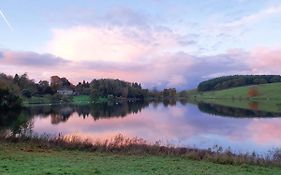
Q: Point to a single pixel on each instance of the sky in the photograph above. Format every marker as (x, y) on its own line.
(159, 43)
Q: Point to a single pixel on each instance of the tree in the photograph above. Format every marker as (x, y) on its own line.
(65, 82)
(43, 87)
(253, 91)
(117, 88)
(25, 83)
(56, 83)
(169, 93)
(8, 100)
(26, 93)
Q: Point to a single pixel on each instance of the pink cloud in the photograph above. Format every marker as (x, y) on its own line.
(262, 59)
(114, 44)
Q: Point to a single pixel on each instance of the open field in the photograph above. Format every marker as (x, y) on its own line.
(47, 99)
(270, 91)
(26, 159)
(268, 98)
(81, 99)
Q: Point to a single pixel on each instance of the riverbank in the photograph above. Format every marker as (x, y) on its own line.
(28, 159)
(71, 155)
(48, 99)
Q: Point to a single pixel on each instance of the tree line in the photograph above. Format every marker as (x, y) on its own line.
(226, 82)
(21, 86)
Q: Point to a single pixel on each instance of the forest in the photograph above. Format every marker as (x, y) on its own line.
(226, 82)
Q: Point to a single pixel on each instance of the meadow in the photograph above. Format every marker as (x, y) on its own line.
(267, 97)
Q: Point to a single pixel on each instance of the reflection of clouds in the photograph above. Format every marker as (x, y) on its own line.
(150, 124)
(266, 131)
(182, 125)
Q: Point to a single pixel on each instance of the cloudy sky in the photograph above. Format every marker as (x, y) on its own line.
(160, 43)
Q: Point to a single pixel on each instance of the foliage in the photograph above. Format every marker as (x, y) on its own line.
(166, 94)
(7, 82)
(24, 83)
(26, 93)
(8, 100)
(226, 82)
(116, 88)
(253, 91)
(99, 90)
(169, 93)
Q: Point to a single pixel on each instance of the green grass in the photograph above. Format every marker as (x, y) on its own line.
(37, 100)
(81, 99)
(47, 99)
(25, 159)
(266, 91)
(268, 99)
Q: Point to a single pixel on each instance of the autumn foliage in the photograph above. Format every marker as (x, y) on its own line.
(253, 91)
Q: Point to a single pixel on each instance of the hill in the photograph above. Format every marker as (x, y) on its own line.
(255, 92)
(263, 97)
(226, 82)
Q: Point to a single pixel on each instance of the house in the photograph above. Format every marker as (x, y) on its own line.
(65, 91)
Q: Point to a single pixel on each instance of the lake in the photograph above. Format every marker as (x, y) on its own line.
(178, 123)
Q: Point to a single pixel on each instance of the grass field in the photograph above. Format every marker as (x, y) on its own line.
(268, 98)
(265, 92)
(47, 99)
(81, 99)
(24, 159)
(37, 100)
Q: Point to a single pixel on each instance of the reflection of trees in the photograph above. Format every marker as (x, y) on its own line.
(234, 112)
(166, 102)
(116, 110)
(61, 113)
(20, 121)
(169, 102)
(56, 118)
(14, 120)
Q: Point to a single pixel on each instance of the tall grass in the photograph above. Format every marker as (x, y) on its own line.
(137, 146)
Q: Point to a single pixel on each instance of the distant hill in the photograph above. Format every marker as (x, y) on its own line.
(262, 91)
(227, 82)
(263, 97)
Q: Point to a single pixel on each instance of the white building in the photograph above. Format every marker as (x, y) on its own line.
(65, 91)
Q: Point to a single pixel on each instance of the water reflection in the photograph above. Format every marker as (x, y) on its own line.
(61, 113)
(178, 123)
(17, 120)
(226, 111)
(14, 120)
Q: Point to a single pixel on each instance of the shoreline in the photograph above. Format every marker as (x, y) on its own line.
(28, 156)
(138, 146)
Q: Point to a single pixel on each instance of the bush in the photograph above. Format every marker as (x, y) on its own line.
(8, 100)
(26, 93)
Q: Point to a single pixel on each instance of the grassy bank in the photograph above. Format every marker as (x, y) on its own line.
(267, 97)
(48, 99)
(28, 159)
(270, 91)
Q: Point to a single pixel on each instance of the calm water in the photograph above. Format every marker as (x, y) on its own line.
(180, 124)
